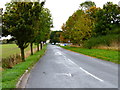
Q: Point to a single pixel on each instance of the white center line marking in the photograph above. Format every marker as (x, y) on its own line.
(82, 68)
(91, 74)
(86, 71)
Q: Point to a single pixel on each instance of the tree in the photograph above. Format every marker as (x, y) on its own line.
(83, 27)
(112, 12)
(26, 22)
(17, 23)
(55, 37)
(44, 25)
(106, 18)
(78, 27)
(87, 5)
(35, 18)
(91, 12)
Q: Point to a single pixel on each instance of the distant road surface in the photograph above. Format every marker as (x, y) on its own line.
(60, 68)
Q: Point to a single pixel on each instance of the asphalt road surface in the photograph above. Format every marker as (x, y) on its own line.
(60, 68)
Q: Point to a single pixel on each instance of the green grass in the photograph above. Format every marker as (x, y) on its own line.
(11, 49)
(10, 76)
(108, 55)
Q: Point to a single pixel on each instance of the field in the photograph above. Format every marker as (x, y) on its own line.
(108, 55)
(10, 49)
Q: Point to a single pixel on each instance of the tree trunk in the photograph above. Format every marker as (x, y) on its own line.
(37, 47)
(41, 46)
(31, 48)
(22, 54)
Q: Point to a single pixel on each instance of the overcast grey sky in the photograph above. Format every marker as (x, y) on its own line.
(62, 9)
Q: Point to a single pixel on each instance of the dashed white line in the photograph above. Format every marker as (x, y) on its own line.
(60, 53)
(91, 74)
(86, 71)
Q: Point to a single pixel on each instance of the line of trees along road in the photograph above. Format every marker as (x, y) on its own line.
(55, 37)
(27, 23)
(90, 21)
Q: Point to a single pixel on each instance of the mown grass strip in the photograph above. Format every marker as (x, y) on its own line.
(10, 76)
(108, 55)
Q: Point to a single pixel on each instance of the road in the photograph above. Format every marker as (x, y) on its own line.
(60, 68)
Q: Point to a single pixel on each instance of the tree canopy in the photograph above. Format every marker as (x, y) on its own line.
(55, 37)
(26, 22)
(89, 21)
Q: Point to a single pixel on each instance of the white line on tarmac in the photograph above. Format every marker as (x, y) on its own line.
(60, 53)
(85, 71)
(91, 74)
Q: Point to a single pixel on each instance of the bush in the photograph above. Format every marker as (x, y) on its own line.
(101, 40)
(11, 61)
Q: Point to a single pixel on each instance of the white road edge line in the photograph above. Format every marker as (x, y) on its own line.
(86, 71)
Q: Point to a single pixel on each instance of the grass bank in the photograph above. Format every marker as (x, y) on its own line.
(10, 76)
(108, 55)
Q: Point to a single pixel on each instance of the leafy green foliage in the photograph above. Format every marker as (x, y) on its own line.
(42, 23)
(78, 27)
(45, 23)
(107, 18)
(16, 22)
(90, 24)
(26, 22)
(87, 5)
(101, 40)
(55, 36)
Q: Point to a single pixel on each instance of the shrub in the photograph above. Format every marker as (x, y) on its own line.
(11, 61)
(101, 40)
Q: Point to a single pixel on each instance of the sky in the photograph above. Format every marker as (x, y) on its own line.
(62, 9)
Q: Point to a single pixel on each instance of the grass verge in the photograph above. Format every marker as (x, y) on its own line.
(10, 76)
(108, 55)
